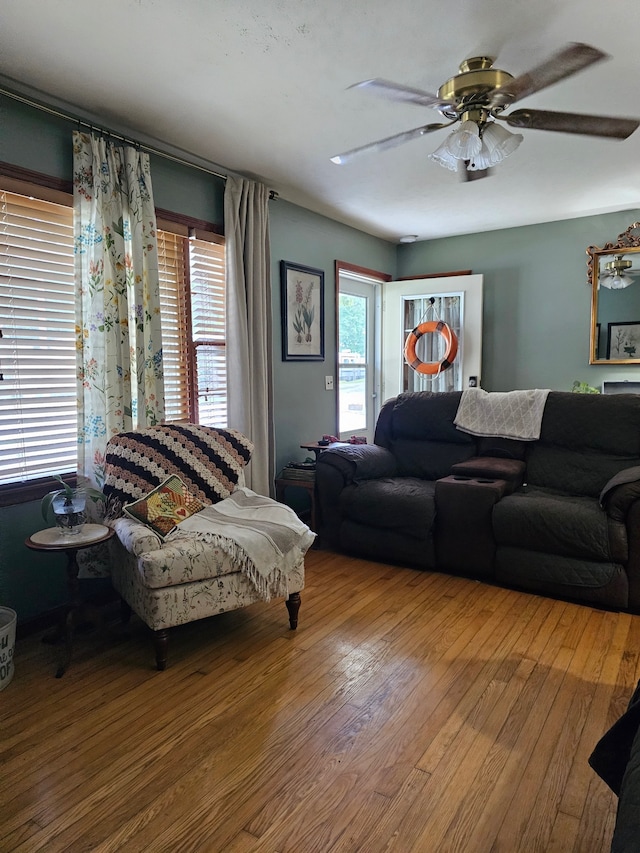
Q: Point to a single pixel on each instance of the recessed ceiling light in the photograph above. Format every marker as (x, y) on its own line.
(409, 238)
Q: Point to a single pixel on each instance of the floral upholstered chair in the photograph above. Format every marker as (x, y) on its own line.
(157, 477)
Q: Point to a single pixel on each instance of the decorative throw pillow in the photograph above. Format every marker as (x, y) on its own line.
(165, 506)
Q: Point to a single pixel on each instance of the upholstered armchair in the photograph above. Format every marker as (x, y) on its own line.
(169, 582)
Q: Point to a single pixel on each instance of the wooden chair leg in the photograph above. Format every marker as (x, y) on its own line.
(161, 644)
(293, 606)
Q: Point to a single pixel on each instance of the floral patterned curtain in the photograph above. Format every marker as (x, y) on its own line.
(118, 333)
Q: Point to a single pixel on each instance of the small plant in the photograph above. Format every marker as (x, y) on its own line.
(69, 493)
(584, 388)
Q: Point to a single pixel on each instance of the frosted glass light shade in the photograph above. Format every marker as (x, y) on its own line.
(464, 143)
(500, 142)
(616, 282)
(481, 151)
(443, 157)
(481, 161)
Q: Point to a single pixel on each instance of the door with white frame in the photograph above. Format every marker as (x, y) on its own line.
(457, 300)
(358, 321)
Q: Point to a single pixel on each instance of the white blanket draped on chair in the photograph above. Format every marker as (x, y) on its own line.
(265, 538)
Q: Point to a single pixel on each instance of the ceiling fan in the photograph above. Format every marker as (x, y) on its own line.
(477, 96)
(618, 273)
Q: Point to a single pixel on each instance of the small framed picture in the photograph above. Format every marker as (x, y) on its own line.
(302, 312)
(623, 340)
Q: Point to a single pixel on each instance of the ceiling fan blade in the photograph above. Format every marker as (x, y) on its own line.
(571, 59)
(616, 128)
(398, 92)
(388, 142)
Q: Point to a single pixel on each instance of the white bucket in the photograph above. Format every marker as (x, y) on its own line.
(8, 619)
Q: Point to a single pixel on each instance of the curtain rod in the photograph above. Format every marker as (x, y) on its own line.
(92, 126)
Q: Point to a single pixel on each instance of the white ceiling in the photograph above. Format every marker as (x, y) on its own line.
(259, 87)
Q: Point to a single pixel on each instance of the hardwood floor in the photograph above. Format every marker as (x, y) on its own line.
(411, 711)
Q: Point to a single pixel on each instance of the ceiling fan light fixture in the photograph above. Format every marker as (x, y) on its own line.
(481, 161)
(613, 275)
(464, 142)
(500, 142)
(443, 157)
(617, 282)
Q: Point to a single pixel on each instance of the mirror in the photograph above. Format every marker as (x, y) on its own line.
(614, 275)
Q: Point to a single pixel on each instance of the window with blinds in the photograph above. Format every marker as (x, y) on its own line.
(192, 273)
(208, 311)
(38, 421)
(38, 426)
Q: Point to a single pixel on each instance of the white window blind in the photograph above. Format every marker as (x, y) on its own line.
(192, 272)
(208, 312)
(38, 426)
(175, 317)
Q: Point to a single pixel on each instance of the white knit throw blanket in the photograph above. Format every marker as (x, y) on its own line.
(509, 414)
(265, 538)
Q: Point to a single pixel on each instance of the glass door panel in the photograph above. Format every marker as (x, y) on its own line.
(352, 364)
(431, 347)
(358, 363)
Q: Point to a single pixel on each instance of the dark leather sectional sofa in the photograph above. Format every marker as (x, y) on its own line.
(559, 515)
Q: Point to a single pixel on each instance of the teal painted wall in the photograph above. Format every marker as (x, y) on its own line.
(35, 140)
(537, 303)
(304, 410)
(31, 582)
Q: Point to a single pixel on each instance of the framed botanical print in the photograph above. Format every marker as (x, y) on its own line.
(302, 312)
(623, 340)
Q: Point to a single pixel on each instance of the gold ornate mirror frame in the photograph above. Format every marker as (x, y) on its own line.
(627, 243)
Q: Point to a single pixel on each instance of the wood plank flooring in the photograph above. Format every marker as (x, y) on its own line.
(410, 711)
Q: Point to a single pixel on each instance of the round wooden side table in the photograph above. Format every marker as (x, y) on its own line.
(53, 539)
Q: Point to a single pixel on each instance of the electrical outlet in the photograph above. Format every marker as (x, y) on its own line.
(328, 383)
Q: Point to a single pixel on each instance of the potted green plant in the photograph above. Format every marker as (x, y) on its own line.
(68, 505)
(584, 388)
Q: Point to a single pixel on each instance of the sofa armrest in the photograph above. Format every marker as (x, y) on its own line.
(620, 492)
(340, 466)
(359, 461)
(512, 471)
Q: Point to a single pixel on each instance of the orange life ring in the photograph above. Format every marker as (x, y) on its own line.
(435, 366)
